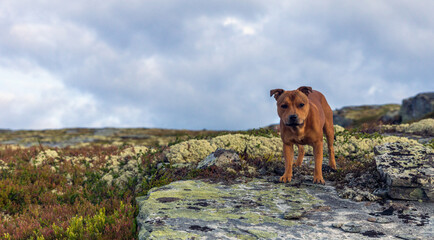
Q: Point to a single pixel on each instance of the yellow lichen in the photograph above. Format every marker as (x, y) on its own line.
(123, 165)
(196, 150)
(346, 144)
(3, 165)
(425, 126)
(44, 155)
(338, 129)
(363, 147)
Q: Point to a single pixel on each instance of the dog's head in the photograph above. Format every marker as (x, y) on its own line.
(292, 106)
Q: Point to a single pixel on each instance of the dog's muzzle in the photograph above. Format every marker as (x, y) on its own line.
(293, 121)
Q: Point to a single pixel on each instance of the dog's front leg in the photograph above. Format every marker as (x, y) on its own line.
(288, 153)
(318, 155)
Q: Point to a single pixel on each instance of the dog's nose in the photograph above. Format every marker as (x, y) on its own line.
(293, 118)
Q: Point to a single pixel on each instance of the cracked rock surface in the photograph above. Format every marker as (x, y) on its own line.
(266, 209)
(408, 170)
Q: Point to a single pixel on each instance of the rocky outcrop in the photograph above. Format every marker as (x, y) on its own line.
(354, 116)
(417, 107)
(408, 169)
(266, 209)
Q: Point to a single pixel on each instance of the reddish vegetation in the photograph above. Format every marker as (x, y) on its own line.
(41, 201)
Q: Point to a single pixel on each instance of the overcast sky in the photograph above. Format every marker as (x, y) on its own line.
(195, 64)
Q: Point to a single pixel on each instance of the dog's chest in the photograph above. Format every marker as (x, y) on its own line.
(289, 137)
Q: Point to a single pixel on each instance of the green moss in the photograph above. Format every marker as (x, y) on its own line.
(168, 233)
(242, 237)
(262, 234)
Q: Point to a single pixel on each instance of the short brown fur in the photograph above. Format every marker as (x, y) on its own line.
(304, 116)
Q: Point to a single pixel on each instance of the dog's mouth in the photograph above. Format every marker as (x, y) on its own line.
(294, 124)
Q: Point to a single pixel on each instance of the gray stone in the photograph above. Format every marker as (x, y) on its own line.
(357, 194)
(220, 158)
(408, 169)
(417, 107)
(382, 220)
(352, 227)
(408, 237)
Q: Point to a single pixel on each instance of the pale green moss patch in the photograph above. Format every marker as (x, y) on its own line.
(164, 233)
(261, 234)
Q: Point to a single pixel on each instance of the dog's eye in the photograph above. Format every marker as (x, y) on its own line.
(284, 106)
(301, 105)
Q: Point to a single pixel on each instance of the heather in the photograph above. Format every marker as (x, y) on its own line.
(59, 198)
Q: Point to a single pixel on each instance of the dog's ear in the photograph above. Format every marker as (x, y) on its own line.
(305, 90)
(276, 93)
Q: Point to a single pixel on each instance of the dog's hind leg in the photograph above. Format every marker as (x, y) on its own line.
(330, 136)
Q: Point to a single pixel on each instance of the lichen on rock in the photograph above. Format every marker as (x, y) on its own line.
(209, 210)
(408, 170)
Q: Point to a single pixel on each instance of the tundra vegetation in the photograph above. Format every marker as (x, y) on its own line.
(82, 183)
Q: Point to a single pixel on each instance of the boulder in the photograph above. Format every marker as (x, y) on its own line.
(220, 158)
(417, 107)
(408, 169)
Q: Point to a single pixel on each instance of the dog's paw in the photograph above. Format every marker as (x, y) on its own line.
(333, 166)
(319, 180)
(285, 178)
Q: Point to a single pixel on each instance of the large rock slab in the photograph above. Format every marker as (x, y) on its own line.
(266, 209)
(195, 209)
(408, 169)
(417, 107)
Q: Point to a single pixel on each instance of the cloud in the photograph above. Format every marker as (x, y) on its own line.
(204, 64)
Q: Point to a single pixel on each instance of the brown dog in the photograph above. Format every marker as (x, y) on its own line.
(304, 116)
